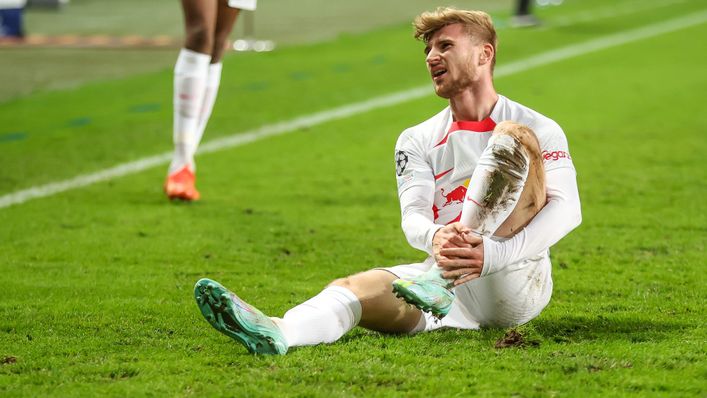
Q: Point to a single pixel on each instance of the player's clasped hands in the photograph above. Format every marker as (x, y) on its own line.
(459, 252)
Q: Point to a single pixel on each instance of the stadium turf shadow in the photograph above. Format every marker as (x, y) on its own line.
(582, 329)
(566, 330)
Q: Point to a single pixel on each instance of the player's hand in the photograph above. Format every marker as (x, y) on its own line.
(463, 262)
(448, 236)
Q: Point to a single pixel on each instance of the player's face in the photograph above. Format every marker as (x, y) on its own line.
(452, 59)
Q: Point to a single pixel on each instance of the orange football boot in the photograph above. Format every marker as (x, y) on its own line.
(180, 185)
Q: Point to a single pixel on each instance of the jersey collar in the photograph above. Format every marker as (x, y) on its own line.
(482, 126)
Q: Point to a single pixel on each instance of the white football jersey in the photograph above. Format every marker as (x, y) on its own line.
(441, 154)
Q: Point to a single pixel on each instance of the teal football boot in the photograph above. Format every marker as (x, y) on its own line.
(428, 292)
(238, 320)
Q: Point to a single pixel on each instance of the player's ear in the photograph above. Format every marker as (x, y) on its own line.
(487, 53)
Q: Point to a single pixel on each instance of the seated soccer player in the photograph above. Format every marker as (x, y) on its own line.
(197, 76)
(486, 186)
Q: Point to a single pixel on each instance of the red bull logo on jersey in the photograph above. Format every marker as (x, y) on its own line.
(555, 155)
(455, 195)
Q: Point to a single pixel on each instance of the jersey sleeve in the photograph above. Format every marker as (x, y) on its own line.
(554, 149)
(416, 186)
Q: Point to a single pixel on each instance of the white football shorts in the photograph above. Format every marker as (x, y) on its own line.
(243, 4)
(510, 297)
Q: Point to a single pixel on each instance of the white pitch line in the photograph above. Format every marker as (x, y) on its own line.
(346, 111)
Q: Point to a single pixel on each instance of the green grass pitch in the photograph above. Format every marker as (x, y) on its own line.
(97, 282)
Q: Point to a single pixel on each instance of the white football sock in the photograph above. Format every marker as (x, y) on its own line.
(495, 185)
(213, 81)
(322, 319)
(421, 324)
(190, 75)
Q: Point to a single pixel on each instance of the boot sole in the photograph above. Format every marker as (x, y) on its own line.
(217, 308)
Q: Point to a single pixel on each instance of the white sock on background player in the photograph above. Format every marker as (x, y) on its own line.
(322, 319)
(190, 76)
(213, 81)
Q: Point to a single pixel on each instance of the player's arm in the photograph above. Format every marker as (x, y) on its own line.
(416, 186)
(562, 213)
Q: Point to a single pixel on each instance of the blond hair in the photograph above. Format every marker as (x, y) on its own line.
(477, 24)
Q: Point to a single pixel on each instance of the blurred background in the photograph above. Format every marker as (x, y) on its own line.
(120, 38)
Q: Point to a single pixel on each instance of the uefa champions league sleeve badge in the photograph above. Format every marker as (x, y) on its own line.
(401, 161)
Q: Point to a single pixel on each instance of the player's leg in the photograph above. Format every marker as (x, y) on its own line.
(225, 20)
(518, 293)
(199, 24)
(363, 299)
(533, 194)
(507, 189)
(190, 79)
(381, 310)
(523, 16)
(522, 7)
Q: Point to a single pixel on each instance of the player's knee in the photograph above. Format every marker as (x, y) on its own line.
(522, 134)
(199, 38)
(366, 284)
(343, 282)
(351, 282)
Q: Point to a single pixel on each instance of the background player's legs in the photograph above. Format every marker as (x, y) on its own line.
(199, 24)
(523, 16)
(363, 299)
(225, 19)
(190, 76)
(523, 7)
